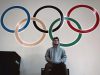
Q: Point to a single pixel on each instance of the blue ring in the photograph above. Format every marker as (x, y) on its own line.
(20, 7)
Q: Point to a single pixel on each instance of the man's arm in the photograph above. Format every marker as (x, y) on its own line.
(63, 59)
(47, 56)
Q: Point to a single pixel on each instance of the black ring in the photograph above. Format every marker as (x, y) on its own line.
(48, 6)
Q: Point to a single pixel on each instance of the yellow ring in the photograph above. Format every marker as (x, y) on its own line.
(24, 43)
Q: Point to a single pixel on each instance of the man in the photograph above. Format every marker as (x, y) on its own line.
(56, 58)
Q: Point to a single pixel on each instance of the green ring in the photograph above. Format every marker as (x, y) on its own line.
(69, 44)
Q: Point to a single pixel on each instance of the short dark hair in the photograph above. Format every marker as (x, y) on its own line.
(55, 38)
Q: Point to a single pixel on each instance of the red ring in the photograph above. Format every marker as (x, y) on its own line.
(84, 31)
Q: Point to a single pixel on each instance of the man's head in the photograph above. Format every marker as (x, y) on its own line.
(55, 41)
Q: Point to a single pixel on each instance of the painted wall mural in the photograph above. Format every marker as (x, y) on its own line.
(44, 31)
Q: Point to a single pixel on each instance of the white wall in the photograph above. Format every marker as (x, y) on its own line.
(83, 57)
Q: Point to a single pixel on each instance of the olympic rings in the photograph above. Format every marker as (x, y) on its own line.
(20, 7)
(48, 6)
(84, 31)
(70, 44)
(61, 19)
(25, 43)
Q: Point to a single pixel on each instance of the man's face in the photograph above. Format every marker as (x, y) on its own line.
(55, 41)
